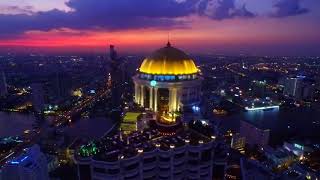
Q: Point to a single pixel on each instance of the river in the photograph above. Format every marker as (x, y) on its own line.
(12, 124)
(297, 122)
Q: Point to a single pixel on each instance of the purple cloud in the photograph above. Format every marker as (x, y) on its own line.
(97, 14)
(222, 9)
(284, 8)
(16, 10)
(130, 14)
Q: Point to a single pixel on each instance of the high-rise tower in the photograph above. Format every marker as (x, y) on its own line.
(62, 84)
(116, 78)
(38, 97)
(3, 84)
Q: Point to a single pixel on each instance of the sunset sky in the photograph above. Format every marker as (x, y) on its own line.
(262, 27)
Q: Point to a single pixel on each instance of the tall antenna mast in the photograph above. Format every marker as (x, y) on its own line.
(168, 44)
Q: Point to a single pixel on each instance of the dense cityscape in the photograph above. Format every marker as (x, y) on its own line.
(165, 112)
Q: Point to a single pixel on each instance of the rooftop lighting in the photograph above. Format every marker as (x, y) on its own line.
(140, 150)
(153, 83)
(261, 108)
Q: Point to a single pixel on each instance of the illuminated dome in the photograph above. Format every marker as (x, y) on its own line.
(168, 61)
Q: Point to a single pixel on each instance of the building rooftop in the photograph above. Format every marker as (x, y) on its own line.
(168, 61)
(122, 146)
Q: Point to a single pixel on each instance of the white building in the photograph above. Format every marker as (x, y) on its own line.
(30, 165)
(148, 155)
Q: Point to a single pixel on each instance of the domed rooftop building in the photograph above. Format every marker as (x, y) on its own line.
(168, 81)
(168, 61)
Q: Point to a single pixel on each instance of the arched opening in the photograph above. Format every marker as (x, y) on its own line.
(163, 100)
(146, 97)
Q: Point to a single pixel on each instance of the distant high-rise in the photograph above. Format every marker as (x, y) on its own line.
(254, 135)
(299, 88)
(259, 88)
(38, 97)
(31, 165)
(62, 85)
(3, 84)
(116, 78)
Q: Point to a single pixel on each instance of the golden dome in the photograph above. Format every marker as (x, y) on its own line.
(168, 61)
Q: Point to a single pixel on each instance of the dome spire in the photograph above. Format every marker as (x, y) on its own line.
(168, 44)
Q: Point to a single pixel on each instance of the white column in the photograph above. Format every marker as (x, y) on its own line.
(155, 99)
(136, 93)
(172, 99)
(151, 98)
(142, 95)
(178, 98)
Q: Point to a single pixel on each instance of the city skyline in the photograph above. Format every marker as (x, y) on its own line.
(282, 27)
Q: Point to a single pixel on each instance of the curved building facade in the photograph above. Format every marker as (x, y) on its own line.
(187, 156)
(167, 81)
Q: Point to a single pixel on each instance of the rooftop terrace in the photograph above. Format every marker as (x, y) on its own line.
(122, 146)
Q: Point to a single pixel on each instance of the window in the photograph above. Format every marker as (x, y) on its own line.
(132, 166)
(132, 177)
(193, 171)
(164, 159)
(164, 169)
(204, 175)
(113, 171)
(148, 170)
(177, 156)
(193, 154)
(150, 178)
(179, 165)
(177, 173)
(206, 155)
(163, 177)
(84, 171)
(193, 162)
(99, 170)
(149, 160)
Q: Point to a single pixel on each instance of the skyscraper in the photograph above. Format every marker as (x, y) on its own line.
(38, 97)
(116, 78)
(166, 148)
(148, 155)
(62, 85)
(259, 89)
(3, 84)
(253, 134)
(31, 165)
(299, 88)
